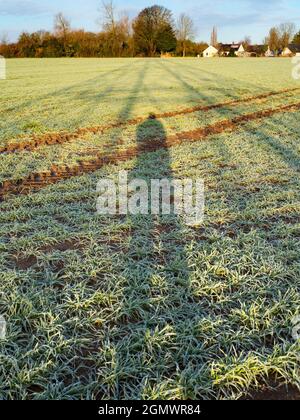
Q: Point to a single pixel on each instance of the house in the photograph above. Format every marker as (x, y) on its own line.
(286, 52)
(210, 52)
(239, 50)
(257, 50)
(290, 51)
(224, 50)
(230, 50)
(269, 53)
(295, 49)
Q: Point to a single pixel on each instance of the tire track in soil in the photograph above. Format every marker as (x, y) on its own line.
(40, 180)
(65, 137)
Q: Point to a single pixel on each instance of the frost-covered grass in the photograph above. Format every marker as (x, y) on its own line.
(146, 307)
(55, 94)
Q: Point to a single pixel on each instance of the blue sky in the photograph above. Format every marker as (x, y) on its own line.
(234, 18)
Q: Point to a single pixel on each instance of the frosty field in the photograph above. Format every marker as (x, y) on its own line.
(145, 307)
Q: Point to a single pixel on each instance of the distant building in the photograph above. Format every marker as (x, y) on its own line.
(269, 53)
(224, 50)
(257, 50)
(210, 52)
(295, 49)
(239, 50)
(286, 52)
(289, 51)
(233, 49)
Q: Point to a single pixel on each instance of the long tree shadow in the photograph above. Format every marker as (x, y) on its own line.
(278, 144)
(84, 86)
(230, 89)
(102, 86)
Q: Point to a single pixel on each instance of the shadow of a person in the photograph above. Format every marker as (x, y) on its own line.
(156, 292)
(149, 166)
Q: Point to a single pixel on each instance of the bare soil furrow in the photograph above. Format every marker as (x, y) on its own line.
(36, 181)
(64, 137)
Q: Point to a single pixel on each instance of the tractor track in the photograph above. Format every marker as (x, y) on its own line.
(37, 181)
(62, 137)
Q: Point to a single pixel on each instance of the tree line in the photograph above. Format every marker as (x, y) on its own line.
(152, 33)
(280, 37)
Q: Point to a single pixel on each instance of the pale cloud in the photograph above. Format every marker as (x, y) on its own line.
(21, 8)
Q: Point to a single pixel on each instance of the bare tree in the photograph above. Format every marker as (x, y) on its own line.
(117, 28)
(286, 33)
(281, 36)
(62, 27)
(4, 39)
(214, 37)
(185, 31)
(109, 16)
(110, 26)
(246, 42)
